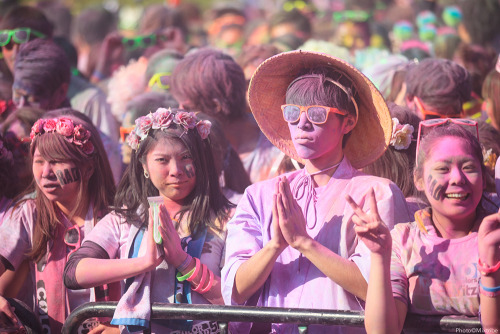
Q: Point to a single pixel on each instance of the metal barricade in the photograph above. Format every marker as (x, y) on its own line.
(302, 317)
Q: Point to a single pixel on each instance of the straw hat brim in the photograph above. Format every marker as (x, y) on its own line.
(369, 138)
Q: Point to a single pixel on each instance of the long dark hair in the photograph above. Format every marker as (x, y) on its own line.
(202, 205)
(99, 188)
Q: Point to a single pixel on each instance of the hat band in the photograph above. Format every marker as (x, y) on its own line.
(338, 84)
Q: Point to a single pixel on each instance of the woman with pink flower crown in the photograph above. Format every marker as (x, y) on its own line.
(72, 188)
(166, 238)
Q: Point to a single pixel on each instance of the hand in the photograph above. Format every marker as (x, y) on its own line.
(7, 317)
(152, 257)
(489, 239)
(370, 228)
(105, 328)
(174, 254)
(277, 237)
(290, 216)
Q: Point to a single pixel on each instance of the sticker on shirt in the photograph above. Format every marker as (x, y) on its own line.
(206, 327)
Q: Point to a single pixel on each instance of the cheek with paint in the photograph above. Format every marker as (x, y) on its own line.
(434, 188)
(189, 170)
(68, 175)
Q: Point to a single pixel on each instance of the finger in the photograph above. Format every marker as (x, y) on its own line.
(282, 213)
(284, 197)
(288, 192)
(373, 202)
(97, 330)
(275, 206)
(356, 208)
(361, 230)
(358, 221)
(9, 313)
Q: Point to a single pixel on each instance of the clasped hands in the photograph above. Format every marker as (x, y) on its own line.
(288, 222)
(173, 253)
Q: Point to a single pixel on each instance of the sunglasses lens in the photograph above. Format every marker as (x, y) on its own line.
(4, 38)
(71, 236)
(317, 114)
(128, 42)
(21, 36)
(291, 113)
(165, 80)
(433, 121)
(147, 41)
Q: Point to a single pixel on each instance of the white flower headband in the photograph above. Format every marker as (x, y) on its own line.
(401, 135)
(162, 119)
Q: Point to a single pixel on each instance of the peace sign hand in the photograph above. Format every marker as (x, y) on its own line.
(370, 228)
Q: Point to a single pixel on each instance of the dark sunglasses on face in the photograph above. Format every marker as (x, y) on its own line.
(429, 123)
(315, 114)
(19, 36)
(73, 238)
(139, 42)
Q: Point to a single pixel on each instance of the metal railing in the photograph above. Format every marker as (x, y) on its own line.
(302, 317)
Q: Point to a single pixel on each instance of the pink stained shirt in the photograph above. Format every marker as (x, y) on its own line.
(433, 275)
(294, 280)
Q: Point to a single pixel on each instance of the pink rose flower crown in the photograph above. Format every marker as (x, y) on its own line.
(75, 134)
(162, 119)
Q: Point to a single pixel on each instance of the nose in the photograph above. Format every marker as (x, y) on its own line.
(456, 175)
(304, 122)
(47, 171)
(176, 168)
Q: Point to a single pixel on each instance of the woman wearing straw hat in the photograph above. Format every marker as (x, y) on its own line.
(291, 242)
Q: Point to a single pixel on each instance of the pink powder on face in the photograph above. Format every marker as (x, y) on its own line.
(314, 141)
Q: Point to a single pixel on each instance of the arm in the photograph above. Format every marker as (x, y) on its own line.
(489, 254)
(91, 272)
(253, 273)
(12, 281)
(383, 314)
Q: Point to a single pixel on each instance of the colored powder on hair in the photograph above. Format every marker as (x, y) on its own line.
(426, 17)
(452, 16)
(427, 32)
(403, 30)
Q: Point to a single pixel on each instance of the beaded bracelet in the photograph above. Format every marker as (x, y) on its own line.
(202, 280)
(196, 270)
(185, 264)
(489, 292)
(181, 278)
(210, 283)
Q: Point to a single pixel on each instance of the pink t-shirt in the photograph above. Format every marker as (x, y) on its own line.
(433, 275)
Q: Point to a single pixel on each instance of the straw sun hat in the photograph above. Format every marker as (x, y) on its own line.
(372, 133)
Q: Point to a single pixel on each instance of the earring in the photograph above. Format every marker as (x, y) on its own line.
(146, 174)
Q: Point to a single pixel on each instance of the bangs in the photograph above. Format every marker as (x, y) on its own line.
(53, 147)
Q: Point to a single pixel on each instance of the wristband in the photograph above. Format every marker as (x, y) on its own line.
(489, 292)
(210, 283)
(196, 270)
(485, 288)
(202, 280)
(185, 264)
(181, 278)
(485, 269)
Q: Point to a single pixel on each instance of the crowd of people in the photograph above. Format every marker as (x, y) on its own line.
(338, 155)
